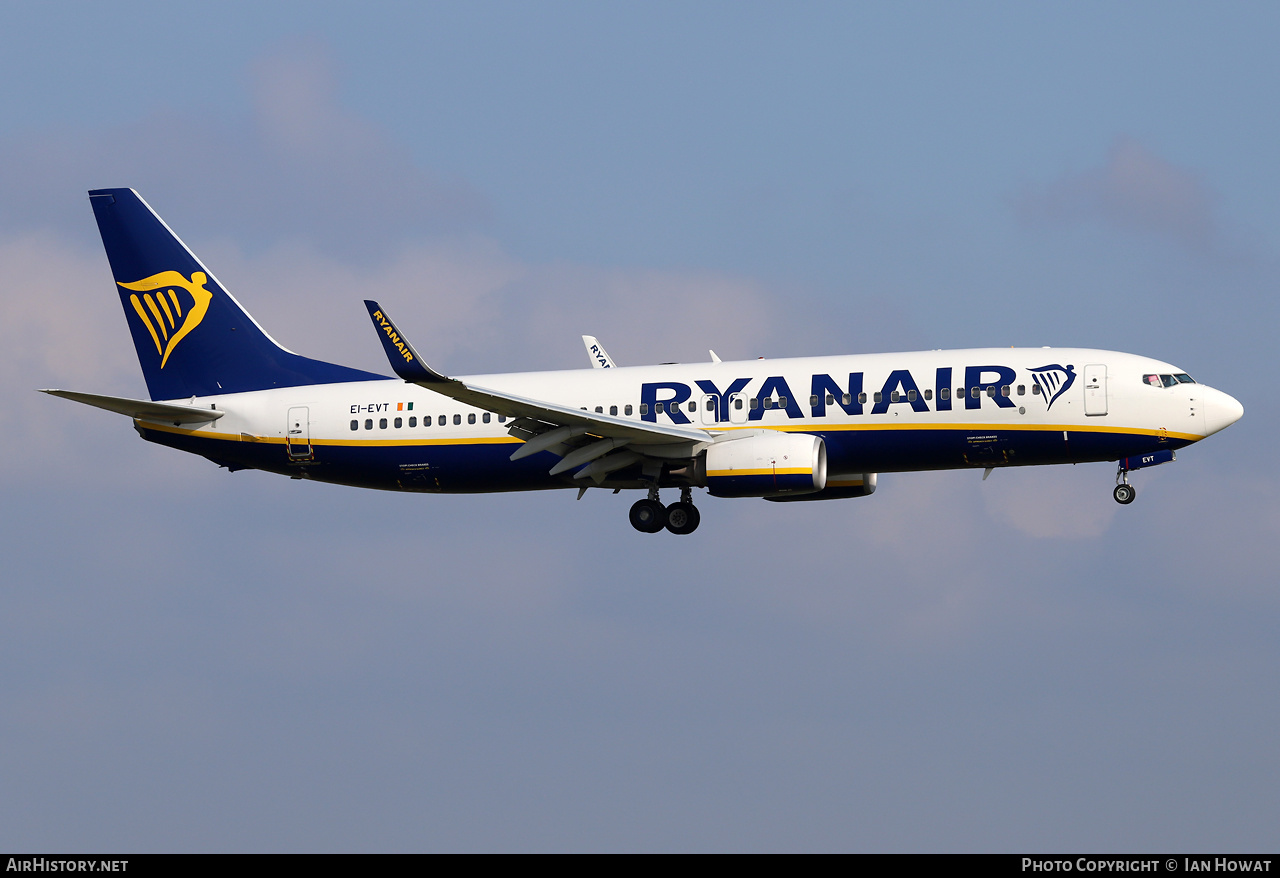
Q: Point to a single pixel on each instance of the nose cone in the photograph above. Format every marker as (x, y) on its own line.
(1220, 411)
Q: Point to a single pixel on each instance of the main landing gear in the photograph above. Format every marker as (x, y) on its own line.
(650, 516)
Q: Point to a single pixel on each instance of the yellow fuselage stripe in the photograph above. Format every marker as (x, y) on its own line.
(768, 471)
(807, 428)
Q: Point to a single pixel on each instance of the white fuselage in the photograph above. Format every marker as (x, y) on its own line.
(875, 412)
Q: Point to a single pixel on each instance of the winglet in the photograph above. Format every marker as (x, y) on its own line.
(600, 358)
(404, 359)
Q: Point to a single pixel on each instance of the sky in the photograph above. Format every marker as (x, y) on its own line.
(202, 661)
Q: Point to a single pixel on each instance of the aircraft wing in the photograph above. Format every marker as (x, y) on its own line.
(142, 409)
(406, 363)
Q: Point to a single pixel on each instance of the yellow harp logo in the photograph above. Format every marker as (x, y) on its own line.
(163, 310)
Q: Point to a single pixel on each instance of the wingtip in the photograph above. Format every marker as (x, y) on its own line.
(404, 360)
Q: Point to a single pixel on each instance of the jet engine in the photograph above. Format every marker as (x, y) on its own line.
(840, 486)
(769, 463)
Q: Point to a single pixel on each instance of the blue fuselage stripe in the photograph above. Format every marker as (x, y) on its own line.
(465, 467)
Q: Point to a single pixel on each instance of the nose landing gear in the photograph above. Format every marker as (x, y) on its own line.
(650, 516)
(1124, 493)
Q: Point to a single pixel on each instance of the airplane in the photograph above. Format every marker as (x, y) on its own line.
(811, 428)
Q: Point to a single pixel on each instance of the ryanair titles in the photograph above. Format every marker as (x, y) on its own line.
(394, 337)
(994, 384)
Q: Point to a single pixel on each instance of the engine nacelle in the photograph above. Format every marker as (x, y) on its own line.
(765, 464)
(840, 486)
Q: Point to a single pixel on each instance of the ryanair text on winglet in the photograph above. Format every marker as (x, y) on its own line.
(393, 336)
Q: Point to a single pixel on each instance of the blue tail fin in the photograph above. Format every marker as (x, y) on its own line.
(192, 337)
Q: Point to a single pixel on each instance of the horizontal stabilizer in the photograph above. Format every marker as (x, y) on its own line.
(142, 409)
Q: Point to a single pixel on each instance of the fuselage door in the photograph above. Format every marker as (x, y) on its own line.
(738, 409)
(297, 439)
(1095, 389)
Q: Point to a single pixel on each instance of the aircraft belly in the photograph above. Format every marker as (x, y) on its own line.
(485, 466)
(904, 450)
(433, 468)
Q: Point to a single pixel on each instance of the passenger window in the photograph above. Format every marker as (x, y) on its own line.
(894, 396)
(368, 425)
(471, 418)
(1035, 389)
(627, 410)
(862, 398)
(755, 403)
(355, 425)
(613, 409)
(644, 408)
(944, 393)
(413, 422)
(879, 396)
(1022, 390)
(399, 423)
(831, 399)
(457, 419)
(599, 410)
(1004, 391)
(658, 407)
(768, 403)
(382, 423)
(928, 394)
(911, 396)
(502, 419)
(959, 393)
(991, 391)
(737, 403)
(485, 417)
(813, 400)
(976, 392)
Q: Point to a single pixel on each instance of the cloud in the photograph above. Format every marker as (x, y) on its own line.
(1134, 189)
(300, 165)
(468, 305)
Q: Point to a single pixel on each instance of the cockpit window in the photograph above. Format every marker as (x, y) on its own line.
(1168, 380)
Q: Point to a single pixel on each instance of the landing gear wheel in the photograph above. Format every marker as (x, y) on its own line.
(1124, 494)
(682, 518)
(648, 516)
